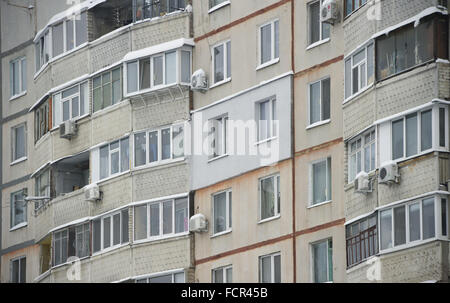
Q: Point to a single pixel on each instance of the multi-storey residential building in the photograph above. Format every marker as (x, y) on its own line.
(95, 183)
(314, 151)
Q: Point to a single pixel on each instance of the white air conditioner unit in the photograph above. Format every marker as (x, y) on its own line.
(198, 223)
(362, 183)
(68, 129)
(388, 173)
(329, 11)
(92, 193)
(199, 82)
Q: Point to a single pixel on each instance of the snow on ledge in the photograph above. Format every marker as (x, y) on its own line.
(174, 44)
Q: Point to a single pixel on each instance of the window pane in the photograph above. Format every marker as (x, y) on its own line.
(75, 107)
(178, 141)
(370, 64)
(442, 127)
(218, 63)
(425, 130)
(139, 149)
(140, 222)
(319, 179)
(264, 120)
(326, 27)
(154, 220)
(157, 70)
(411, 135)
(414, 222)
(106, 78)
(355, 80)
(267, 198)
(185, 67)
(428, 218)
(144, 73)
(444, 216)
(153, 146)
(397, 139)
(96, 235)
(266, 271)
(84, 98)
(20, 142)
(348, 78)
(229, 275)
(218, 276)
(161, 279)
(179, 277)
(181, 215)
(69, 34)
(326, 99)
(124, 154)
(125, 217)
(276, 26)
(167, 217)
(115, 165)
(165, 138)
(314, 102)
(66, 110)
(116, 229)
(23, 270)
(23, 74)
(362, 75)
(220, 215)
(97, 94)
(117, 86)
(81, 28)
(106, 232)
(171, 67)
(277, 268)
(266, 43)
(320, 262)
(385, 57)
(104, 162)
(314, 22)
(399, 225)
(386, 229)
(132, 84)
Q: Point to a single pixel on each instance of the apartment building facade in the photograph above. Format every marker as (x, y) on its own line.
(314, 151)
(96, 183)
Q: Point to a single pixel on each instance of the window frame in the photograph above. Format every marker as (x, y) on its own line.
(102, 218)
(224, 274)
(272, 129)
(312, 256)
(119, 149)
(160, 202)
(358, 65)
(218, 5)
(224, 131)
(362, 151)
(321, 38)
(328, 177)
(152, 87)
(272, 59)
(13, 224)
(355, 241)
(272, 267)
(160, 161)
(15, 160)
(110, 72)
(11, 264)
(173, 273)
(228, 212)
(277, 212)
(437, 198)
(354, 8)
(321, 120)
(61, 100)
(226, 53)
(21, 61)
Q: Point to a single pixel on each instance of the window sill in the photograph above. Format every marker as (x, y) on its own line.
(158, 164)
(269, 63)
(152, 89)
(318, 43)
(269, 219)
(221, 234)
(217, 158)
(19, 226)
(68, 263)
(323, 122)
(110, 249)
(160, 238)
(220, 83)
(418, 155)
(76, 119)
(265, 140)
(18, 161)
(112, 177)
(18, 96)
(319, 204)
(410, 245)
(218, 6)
(108, 109)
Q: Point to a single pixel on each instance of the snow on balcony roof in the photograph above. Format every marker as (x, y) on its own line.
(77, 8)
(174, 44)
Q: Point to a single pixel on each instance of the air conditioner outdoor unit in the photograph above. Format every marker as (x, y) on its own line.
(198, 223)
(388, 173)
(329, 11)
(92, 193)
(199, 82)
(362, 183)
(68, 129)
